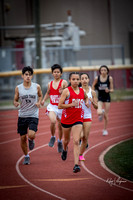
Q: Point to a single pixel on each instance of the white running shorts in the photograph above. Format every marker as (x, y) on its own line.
(55, 109)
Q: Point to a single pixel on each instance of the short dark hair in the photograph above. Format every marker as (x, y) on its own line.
(102, 67)
(27, 68)
(56, 66)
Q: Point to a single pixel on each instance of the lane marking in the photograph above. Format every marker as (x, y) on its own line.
(121, 118)
(98, 177)
(64, 180)
(92, 132)
(33, 185)
(11, 187)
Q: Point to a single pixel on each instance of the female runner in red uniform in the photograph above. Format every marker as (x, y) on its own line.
(71, 101)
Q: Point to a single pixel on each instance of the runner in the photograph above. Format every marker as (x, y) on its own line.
(87, 120)
(104, 85)
(72, 116)
(54, 91)
(30, 95)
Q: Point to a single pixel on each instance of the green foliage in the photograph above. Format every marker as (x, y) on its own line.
(120, 159)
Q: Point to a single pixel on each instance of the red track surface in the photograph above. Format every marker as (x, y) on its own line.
(48, 177)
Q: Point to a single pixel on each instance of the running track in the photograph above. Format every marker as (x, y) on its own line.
(48, 177)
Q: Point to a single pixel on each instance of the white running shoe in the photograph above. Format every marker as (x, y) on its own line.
(105, 132)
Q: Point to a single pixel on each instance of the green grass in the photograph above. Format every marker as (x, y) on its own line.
(119, 95)
(6, 102)
(120, 159)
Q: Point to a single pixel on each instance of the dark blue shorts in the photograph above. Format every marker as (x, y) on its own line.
(24, 124)
(70, 125)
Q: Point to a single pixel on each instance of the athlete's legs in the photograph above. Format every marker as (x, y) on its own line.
(31, 134)
(60, 131)
(99, 110)
(52, 117)
(107, 107)
(66, 134)
(86, 131)
(23, 141)
(76, 130)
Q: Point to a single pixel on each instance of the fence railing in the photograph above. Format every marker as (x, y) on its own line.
(16, 58)
(122, 76)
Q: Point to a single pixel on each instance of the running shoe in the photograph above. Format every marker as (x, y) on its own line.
(64, 155)
(31, 144)
(60, 147)
(26, 160)
(100, 117)
(52, 141)
(76, 169)
(81, 158)
(105, 132)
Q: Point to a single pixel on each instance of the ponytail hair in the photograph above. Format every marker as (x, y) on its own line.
(77, 73)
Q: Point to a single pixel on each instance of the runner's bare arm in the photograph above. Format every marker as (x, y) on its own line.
(111, 89)
(16, 97)
(63, 86)
(86, 99)
(94, 99)
(39, 96)
(111, 84)
(46, 96)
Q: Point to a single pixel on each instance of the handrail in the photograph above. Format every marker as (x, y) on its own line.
(66, 69)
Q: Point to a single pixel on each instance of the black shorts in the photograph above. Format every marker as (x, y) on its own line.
(105, 98)
(24, 124)
(70, 125)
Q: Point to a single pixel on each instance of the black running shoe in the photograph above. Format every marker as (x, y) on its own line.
(64, 155)
(60, 147)
(76, 169)
(31, 144)
(52, 141)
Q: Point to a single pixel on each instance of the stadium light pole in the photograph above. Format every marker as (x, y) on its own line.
(36, 15)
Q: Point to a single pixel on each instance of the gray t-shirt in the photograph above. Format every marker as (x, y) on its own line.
(28, 98)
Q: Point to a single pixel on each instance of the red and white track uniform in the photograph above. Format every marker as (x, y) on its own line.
(54, 93)
(54, 100)
(73, 114)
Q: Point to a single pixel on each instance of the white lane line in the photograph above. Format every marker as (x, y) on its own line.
(101, 158)
(92, 132)
(116, 119)
(98, 177)
(27, 181)
(13, 140)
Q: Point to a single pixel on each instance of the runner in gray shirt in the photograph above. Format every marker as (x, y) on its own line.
(28, 95)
